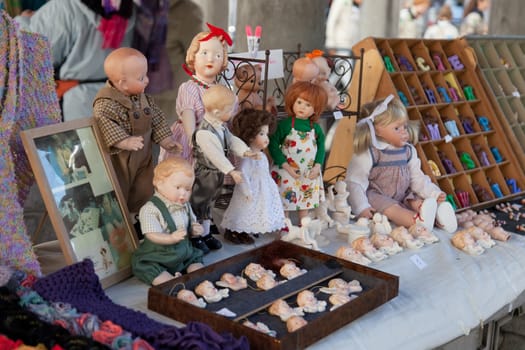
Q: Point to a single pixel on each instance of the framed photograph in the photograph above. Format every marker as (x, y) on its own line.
(82, 197)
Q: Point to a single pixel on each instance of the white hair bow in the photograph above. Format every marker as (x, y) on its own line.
(380, 109)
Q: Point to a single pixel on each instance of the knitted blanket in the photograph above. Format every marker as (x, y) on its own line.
(79, 286)
(27, 100)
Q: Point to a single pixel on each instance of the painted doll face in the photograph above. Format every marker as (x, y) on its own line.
(303, 109)
(135, 75)
(209, 59)
(261, 140)
(176, 187)
(395, 133)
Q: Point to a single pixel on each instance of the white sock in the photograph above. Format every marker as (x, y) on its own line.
(206, 226)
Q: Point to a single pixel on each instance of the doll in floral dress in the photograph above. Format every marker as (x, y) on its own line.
(297, 149)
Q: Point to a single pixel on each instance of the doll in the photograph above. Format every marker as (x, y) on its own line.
(130, 122)
(323, 78)
(385, 173)
(290, 270)
(231, 281)
(423, 234)
(365, 247)
(465, 242)
(309, 303)
(283, 310)
(255, 271)
(248, 80)
(348, 253)
(385, 243)
(212, 143)
(167, 221)
(266, 282)
(207, 290)
(297, 149)
(305, 69)
(255, 207)
(401, 235)
(206, 58)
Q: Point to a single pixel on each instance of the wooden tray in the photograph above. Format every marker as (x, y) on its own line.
(251, 304)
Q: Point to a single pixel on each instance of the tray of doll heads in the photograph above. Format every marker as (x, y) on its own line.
(280, 295)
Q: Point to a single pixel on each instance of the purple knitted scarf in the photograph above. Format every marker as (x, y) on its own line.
(79, 286)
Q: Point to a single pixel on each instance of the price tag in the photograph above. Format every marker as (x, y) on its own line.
(416, 259)
(338, 115)
(448, 138)
(226, 312)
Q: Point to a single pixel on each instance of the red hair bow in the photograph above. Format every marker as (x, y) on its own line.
(219, 33)
(314, 53)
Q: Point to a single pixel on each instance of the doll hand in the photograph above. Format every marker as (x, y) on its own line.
(367, 213)
(132, 143)
(442, 196)
(314, 172)
(178, 235)
(293, 172)
(197, 229)
(251, 154)
(170, 145)
(236, 176)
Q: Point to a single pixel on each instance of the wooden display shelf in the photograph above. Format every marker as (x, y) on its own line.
(441, 85)
(252, 304)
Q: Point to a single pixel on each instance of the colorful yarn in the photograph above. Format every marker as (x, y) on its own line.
(28, 100)
(78, 285)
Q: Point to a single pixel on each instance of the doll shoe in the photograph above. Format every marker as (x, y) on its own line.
(446, 217)
(198, 243)
(232, 237)
(427, 213)
(212, 242)
(246, 238)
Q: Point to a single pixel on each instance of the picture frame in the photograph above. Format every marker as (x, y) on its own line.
(82, 196)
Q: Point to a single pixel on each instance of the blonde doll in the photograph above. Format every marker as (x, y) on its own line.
(206, 57)
(385, 174)
(297, 149)
(255, 207)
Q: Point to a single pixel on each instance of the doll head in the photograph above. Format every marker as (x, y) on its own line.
(173, 179)
(127, 70)
(304, 69)
(322, 63)
(313, 94)
(207, 54)
(387, 120)
(219, 102)
(253, 127)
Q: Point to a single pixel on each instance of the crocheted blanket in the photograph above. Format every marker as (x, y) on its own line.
(28, 100)
(79, 286)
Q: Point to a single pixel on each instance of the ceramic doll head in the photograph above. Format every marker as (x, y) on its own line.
(254, 127)
(207, 54)
(127, 70)
(304, 69)
(465, 242)
(290, 270)
(350, 254)
(294, 323)
(229, 280)
(173, 178)
(308, 94)
(266, 282)
(219, 102)
(254, 271)
(190, 297)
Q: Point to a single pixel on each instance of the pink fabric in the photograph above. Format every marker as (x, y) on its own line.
(113, 30)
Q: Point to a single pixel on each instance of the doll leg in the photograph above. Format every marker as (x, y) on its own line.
(164, 276)
(446, 217)
(426, 213)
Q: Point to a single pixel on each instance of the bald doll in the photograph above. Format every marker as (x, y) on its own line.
(130, 122)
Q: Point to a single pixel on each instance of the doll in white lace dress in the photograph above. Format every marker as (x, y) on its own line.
(255, 207)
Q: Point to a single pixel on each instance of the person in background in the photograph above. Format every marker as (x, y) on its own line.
(81, 34)
(343, 26)
(443, 29)
(474, 21)
(411, 19)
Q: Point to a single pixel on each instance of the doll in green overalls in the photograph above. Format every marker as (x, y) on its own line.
(167, 222)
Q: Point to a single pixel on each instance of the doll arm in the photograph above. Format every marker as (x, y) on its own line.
(240, 148)
(131, 143)
(188, 122)
(419, 181)
(321, 153)
(110, 123)
(277, 139)
(212, 148)
(150, 223)
(357, 181)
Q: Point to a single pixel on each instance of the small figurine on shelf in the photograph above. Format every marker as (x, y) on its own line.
(447, 163)
(336, 197)
(443, 93)
(497, 155)
(404, 63)
(130, 122)
(429, 93)
(495, 189)
(403, 98)
(469, 93)
(436, 57)
(432, 126)
(255, 207)
(513, 185)
(206, 57)
(481, 154)
(298, 151)
(455, 62)
(463, 197)
(168, 223)
(385, 173)
(467, 122)
(484, 123)
(451, 126)
(212, 144)
(422, 64)
(466, 160)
